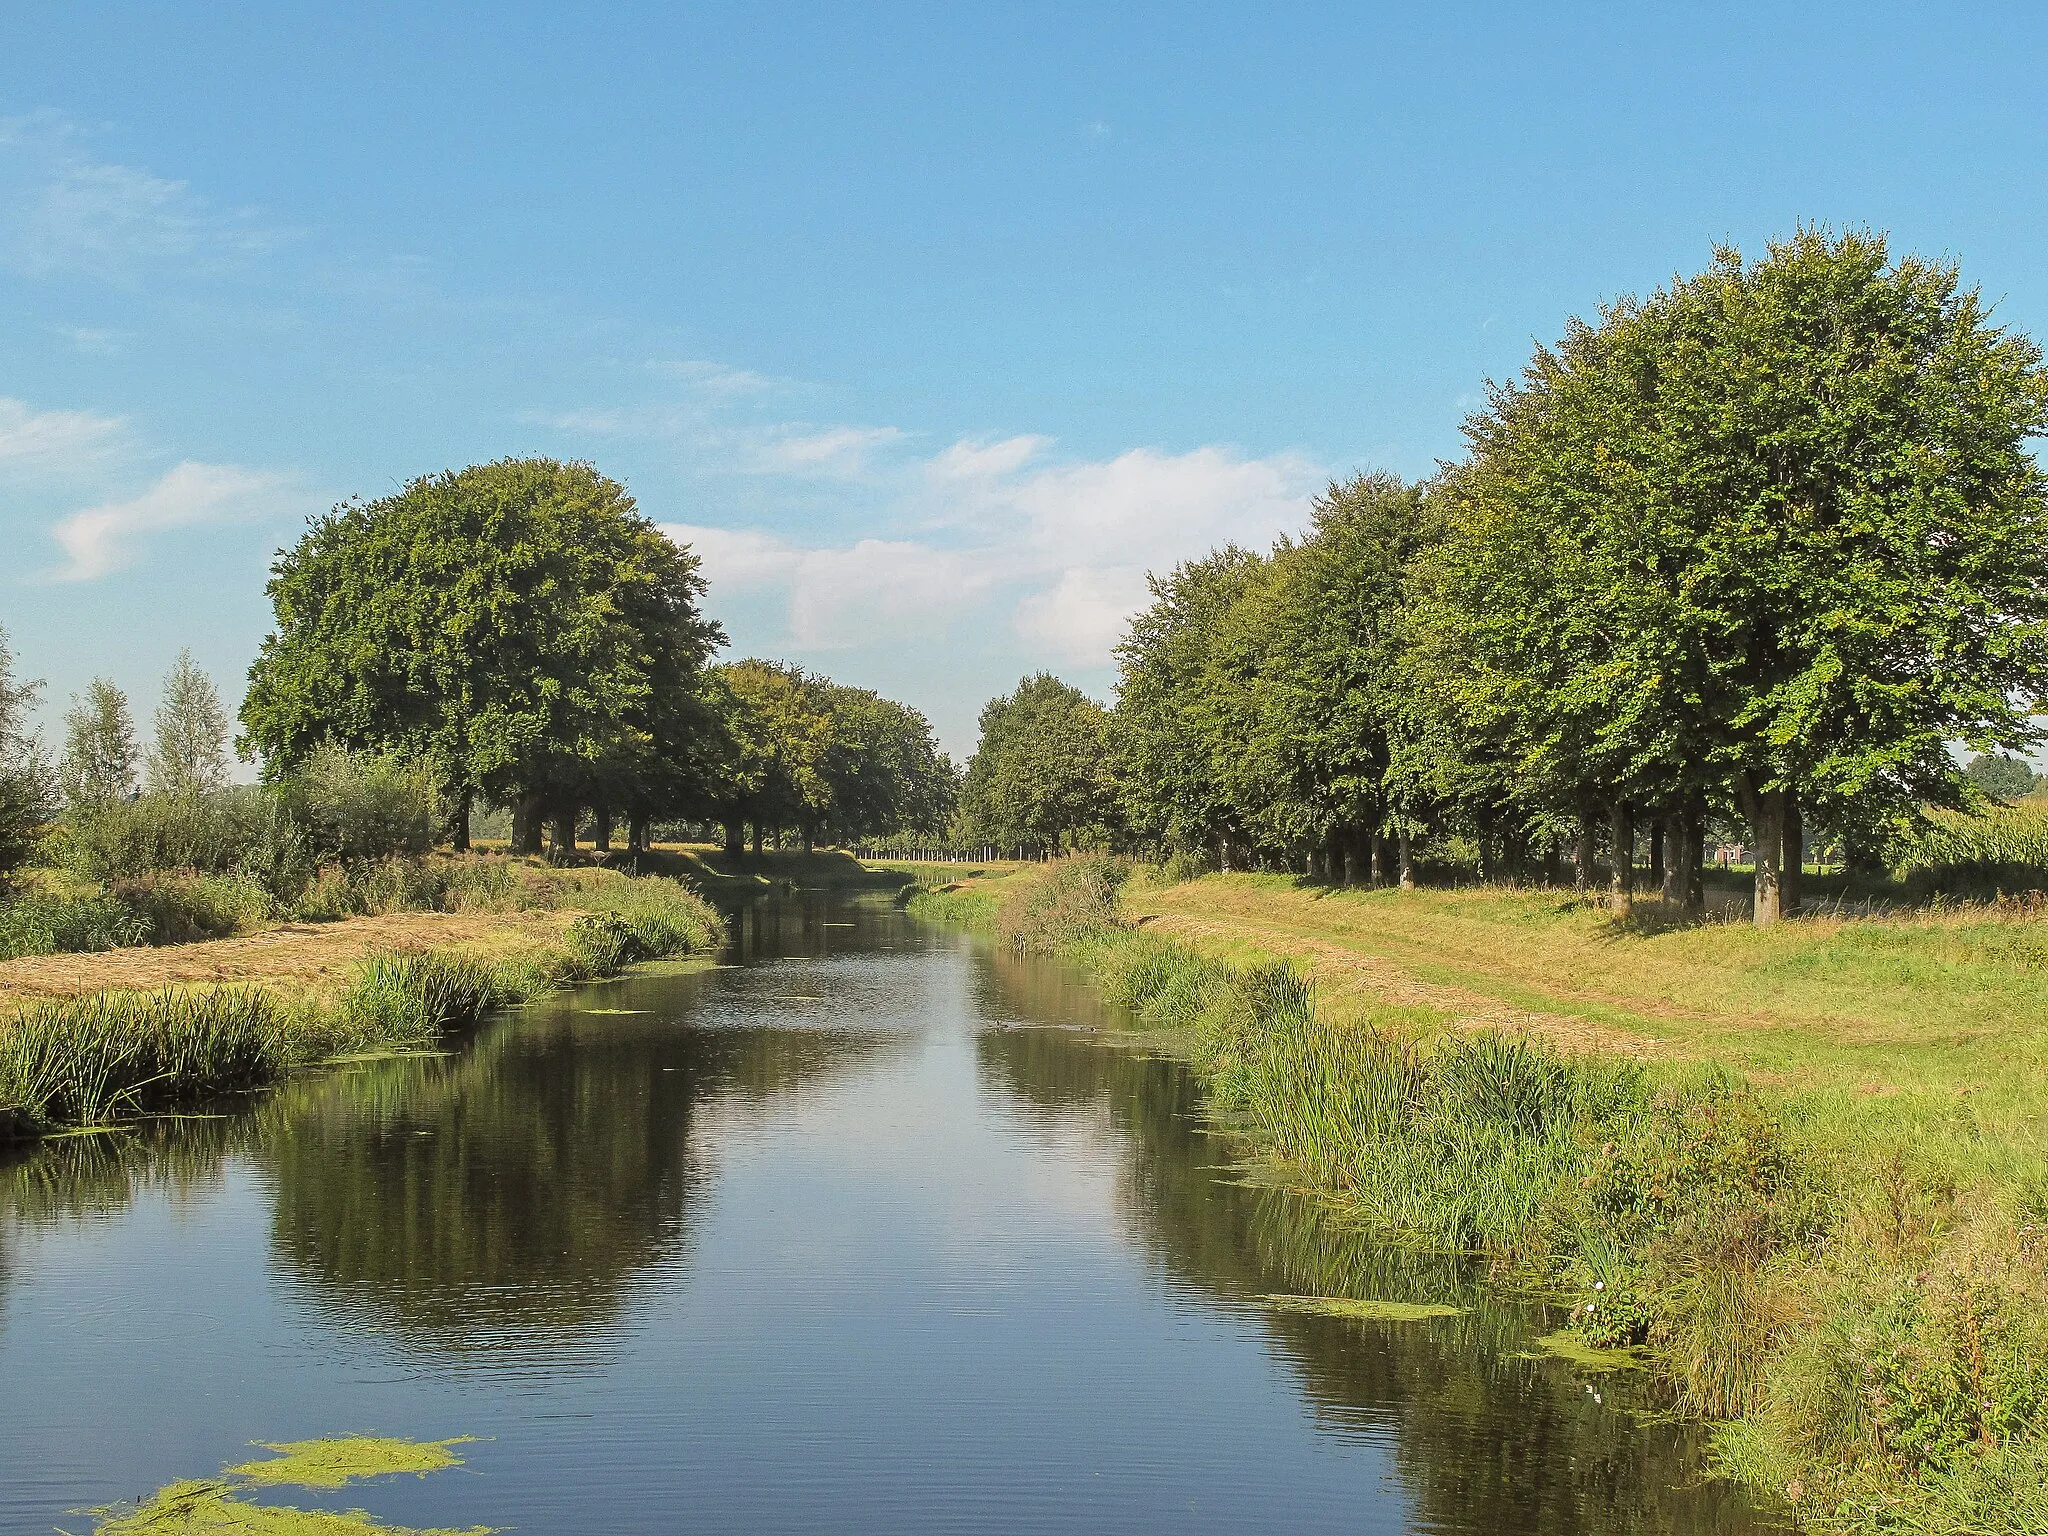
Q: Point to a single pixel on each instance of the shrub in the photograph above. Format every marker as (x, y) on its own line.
(656, 917)
(243, 830)
(184, 906)
(42, 925)
(1073, 899)
(363, 807)
(87, 1060)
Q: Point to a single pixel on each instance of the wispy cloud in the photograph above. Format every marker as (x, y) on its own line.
(715, 379)
(105, 538)
(55, 443)
(67, 214)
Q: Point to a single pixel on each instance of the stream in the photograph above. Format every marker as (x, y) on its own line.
(867, 1229)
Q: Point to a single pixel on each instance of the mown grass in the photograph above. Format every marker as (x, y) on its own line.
(1862, 1301)
(110, 1056)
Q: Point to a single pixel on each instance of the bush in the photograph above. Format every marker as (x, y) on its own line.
(657, 917)
(361, 807)
(243, 830)
(408, 997)
(42, 925)
(184, 906)
(1071, 900)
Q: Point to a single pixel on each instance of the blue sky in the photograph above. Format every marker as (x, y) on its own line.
(933, 327)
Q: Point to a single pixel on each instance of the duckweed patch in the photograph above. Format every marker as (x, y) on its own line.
(347, 1459)
(1587, 1357)
(1369, 1310)
(215, 1507)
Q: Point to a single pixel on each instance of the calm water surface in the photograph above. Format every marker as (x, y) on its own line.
(865, 1232)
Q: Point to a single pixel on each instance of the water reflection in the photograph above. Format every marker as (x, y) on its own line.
(1486, 1437)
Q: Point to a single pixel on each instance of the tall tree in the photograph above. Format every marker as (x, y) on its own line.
(520, 625)
(778, 725)
(1166, 728)
(1039, 776)
(26, 798)
(102, 758)
(190, 755)
(1773, 535)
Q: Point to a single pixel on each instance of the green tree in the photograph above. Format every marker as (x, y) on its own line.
(189, 758)
(2001, 776)
(1167, 725)
(519, 625)
(1774, 534)
(102, 759)
(27, 800)
(883, 771)
(778, 731)
(1039, 777)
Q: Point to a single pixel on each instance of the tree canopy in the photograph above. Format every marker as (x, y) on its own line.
(1039, 778)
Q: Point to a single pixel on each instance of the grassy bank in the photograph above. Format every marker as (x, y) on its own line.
(1819, 1211)
(102, 1057)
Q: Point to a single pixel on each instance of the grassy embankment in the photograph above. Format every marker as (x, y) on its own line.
(87, 1057)
(1801, 1171)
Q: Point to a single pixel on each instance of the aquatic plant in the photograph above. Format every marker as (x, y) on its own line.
(215, 1507)
(88, 1060)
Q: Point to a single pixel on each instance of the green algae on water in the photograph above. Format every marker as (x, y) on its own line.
(614, 1010)
(1587, 1357)
(211, 1507)
(1365, 1309)
(347, 1459)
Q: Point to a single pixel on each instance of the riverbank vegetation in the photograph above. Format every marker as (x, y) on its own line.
(106, 1056)
(1841, 1263)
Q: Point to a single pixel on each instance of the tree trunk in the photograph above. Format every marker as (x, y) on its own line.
(601, 828)
(526, 824)
(562, 834)
(1350, 858)
(807, 837)
(1379, 860)
(735, 837)
(757, 839)
(1551, 860)
(1657, 851)
(1672, 850)
(638, 826)
(1584, 856)
(1766, 810)
(1695, 859)
(1621, 878)
(1407, 861)
(1794, 862)
(458, 822)
(1223, 854)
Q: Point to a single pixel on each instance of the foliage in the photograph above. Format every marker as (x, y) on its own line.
(2001, 776)
(1039, 778)
(244, 830)
(42, 925)
(102, 758)
(361, 806)
(26, 794)
(520, 626)
(1071, 900)
(189, 758)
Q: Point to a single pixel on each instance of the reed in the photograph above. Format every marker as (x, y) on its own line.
(112, 1055)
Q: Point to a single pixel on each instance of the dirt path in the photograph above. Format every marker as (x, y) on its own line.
(1336, 969)
(300, 953)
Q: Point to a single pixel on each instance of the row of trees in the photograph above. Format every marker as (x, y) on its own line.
(524, 631)
(1766, 545)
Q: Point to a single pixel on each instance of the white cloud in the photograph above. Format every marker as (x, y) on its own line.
(1065, 546)
(715, 379)
(739, 559)
(103, 538)
(832, 453)
(69, 215)
(54, 442)
(1082, 616)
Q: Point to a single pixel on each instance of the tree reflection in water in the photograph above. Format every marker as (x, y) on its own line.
(1485, 1437)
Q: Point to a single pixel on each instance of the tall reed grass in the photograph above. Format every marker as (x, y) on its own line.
(111, 1055)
